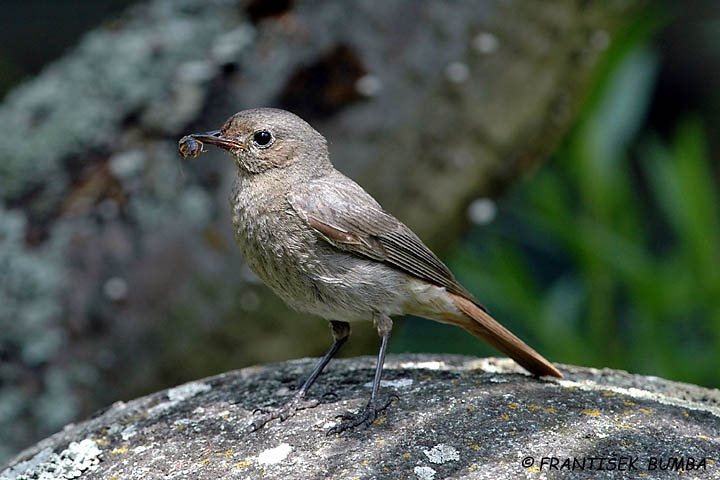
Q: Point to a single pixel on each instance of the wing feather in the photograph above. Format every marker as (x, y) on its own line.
(348, 218)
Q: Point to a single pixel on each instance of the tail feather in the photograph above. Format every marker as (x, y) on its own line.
(499, 337)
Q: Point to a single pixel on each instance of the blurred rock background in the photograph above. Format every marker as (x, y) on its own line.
(559, 155)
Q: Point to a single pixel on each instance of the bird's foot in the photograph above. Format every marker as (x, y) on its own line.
(366, 417)
(296, 404)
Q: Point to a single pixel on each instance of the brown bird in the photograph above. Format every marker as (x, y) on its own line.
(325, 246)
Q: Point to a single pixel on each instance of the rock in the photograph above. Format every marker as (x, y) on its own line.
(454, 417)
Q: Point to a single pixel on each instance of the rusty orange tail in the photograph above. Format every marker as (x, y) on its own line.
(499, 337)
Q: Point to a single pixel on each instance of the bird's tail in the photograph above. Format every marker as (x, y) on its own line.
(499, 337)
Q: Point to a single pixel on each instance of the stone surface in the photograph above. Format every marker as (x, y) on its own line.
(454, 417)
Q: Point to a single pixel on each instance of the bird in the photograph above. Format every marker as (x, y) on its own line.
(326, 246)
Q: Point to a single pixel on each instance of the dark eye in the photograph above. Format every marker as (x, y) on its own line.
(263, 138)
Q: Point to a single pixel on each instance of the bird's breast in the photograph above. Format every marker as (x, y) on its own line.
(305, 270)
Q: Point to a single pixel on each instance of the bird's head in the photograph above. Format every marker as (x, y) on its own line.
(267, 138)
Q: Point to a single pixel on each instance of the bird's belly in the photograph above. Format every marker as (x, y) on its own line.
(311, 275)
(352, 289)
(334, 285)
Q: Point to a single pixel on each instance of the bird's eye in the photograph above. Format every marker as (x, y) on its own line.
(263, 138)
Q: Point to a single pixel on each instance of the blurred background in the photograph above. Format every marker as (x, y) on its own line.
(560, 156)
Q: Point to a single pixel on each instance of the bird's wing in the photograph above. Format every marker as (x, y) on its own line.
(348, 218)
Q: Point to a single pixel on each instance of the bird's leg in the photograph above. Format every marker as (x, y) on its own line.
(369, 414)
(340, 332)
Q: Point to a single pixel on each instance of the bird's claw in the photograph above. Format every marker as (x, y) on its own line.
(283, 413)
(365, 418)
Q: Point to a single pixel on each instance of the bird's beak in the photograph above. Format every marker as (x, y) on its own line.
(216, 138)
